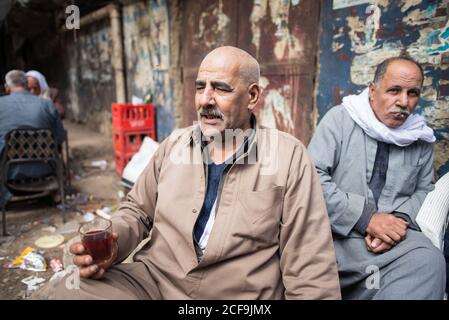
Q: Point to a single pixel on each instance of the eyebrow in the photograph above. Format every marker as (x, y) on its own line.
(215, 84)
(221, 85)
(399, 87)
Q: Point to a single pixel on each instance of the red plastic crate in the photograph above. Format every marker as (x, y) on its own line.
(130, 141)
(121, 160)
(133, 117)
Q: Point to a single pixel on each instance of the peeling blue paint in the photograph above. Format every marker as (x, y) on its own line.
(445, 33)
(442, 48)
(430, 11)
(432, 38)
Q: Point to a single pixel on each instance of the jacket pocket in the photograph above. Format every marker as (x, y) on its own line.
(259, 204)
(405, 179)
(257, 219)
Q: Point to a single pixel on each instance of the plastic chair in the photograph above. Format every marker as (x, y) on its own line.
(31, 146)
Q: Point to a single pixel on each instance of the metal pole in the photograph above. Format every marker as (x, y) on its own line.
(4, 219)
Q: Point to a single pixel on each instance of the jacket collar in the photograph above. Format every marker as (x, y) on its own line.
(196, 138)
(26, 92)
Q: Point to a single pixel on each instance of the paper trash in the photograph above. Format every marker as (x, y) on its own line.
(34, 261)
(32, 282)
(102, 164)
(50, 241)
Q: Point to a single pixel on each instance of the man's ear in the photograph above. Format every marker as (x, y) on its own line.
(254, 94)
(371, 89)
(7, 89)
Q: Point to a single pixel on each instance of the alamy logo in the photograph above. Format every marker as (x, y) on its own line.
(73, 277)
(73, 20)
(267, 155)
(373, 281)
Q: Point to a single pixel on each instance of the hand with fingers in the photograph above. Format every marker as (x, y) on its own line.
(386, 230)
(375, 245)
(85, 262)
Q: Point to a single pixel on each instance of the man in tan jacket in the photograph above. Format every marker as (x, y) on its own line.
(235, 211)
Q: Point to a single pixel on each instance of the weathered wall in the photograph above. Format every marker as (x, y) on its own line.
(146, 26)
(91, 83)
(356, 38)
(90, 88)
(164, 42)
(282, 35)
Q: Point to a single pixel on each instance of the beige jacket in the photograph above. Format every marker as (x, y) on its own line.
(271, 238)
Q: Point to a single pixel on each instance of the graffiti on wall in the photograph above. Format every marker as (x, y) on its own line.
(95, 55)
(276, 111)
(212, 22)
(136, 48)
(279, 40)
(287, 44)
(91, 85)
(280, 34)
(357, 38)
(147, 55)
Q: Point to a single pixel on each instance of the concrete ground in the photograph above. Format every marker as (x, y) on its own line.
(92, 189)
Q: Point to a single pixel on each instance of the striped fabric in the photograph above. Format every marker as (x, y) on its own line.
(432, 218)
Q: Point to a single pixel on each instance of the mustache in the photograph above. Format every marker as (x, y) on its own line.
(395, 109)
(210, 112)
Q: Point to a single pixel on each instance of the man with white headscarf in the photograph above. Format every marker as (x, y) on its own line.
(37, 84)
(374, 158)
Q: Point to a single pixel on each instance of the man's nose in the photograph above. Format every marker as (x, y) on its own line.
(207, 97)
(403, 100)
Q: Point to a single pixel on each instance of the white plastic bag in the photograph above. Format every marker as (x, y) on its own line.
(140, 160)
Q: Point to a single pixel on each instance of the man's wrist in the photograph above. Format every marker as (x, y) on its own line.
(363, 222)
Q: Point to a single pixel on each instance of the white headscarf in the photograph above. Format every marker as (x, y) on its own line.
(45, 92)
(412, 129)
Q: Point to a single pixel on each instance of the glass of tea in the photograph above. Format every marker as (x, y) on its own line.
(96, 237)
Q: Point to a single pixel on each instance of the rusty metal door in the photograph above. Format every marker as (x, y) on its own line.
(207, 24)
(280, 34)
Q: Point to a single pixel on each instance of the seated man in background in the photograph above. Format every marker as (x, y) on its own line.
(21, 109)
(37, 84)
(374, 158)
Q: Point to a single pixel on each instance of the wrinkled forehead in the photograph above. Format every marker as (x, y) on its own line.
(218, 70)
(403, 72)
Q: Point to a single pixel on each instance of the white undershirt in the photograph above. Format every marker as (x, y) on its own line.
(208, 228)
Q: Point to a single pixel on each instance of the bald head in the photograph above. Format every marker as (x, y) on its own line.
(227, 90)
(232, 57)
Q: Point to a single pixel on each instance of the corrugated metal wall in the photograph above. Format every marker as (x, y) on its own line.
(355, 38)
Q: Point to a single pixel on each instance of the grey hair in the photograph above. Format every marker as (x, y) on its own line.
(16, 78)
(250, 71)
(383, 66)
